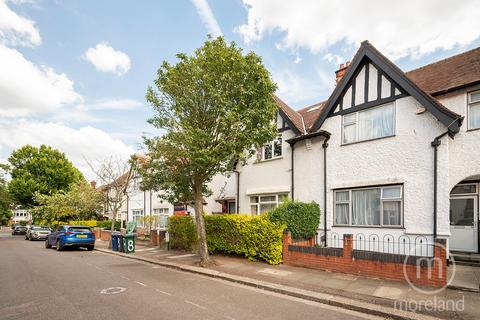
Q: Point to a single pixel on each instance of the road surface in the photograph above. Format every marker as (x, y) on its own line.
(39, 283)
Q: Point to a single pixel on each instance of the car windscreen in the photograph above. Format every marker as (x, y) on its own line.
(79, 229)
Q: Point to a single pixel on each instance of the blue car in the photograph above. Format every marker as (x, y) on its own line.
(71, 236)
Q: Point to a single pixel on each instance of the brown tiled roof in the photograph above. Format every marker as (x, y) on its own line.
(448, 74)
(311, 113)
(292, 115)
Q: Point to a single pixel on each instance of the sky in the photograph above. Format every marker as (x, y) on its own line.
(73, 74)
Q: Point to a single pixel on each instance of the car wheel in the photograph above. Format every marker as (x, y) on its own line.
(26, 238)
(58, 246)
(47, 244)
(90, 248)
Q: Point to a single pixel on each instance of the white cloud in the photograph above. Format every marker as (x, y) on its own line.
(77, 144)
(334, 58)
(296, 89)
(26, 88)
(17, 30)
(107, 59)
(207, 17)
(398, 28)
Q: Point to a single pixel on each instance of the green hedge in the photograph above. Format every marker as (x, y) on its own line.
(106, 224)
(182, 232)
(302, 219)
(256, 237)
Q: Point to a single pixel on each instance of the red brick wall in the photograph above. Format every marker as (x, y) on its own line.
(434, 276)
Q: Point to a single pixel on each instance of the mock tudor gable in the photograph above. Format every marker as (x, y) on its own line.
(372, 80)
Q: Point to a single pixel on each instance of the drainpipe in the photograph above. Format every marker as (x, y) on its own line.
(238, 190)
(325, 146)
(292, 187)
(435, 143)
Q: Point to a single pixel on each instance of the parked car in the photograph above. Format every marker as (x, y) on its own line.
(37, 233)
(19, 230)
(71, 236)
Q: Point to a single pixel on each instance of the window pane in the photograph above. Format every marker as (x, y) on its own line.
(268, 199)
(349, 133)
(463, 189)
(277, 147)
(366, 207)
(462, 212)
(267, 152)
(475, 96)
(265, 207)
(254, 209)
(231, 207)
(342, 196)
(341, 213)
(474, 116)
(391, 213)
(376, 123)
(392, 193)
(254, 199)
(349, 118)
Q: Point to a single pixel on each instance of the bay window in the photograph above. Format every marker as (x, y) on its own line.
(474, 110)
(137, 215)
(161, 214)
(260, 204)
(379, 206)
(373, 123)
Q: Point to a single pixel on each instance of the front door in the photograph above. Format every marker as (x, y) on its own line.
(464, 223)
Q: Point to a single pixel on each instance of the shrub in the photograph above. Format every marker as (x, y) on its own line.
(107, 224)
(301, 218)
(182, 232)
(255, 237)
(86, 223)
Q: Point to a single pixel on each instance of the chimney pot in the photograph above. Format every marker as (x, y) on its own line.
(341, 71)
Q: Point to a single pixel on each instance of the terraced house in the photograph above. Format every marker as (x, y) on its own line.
(391, 156)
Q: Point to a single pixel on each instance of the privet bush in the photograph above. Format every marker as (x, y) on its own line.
(301, 218)
(256, 237)
(182, 232)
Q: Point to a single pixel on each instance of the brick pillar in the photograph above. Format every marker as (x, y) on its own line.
(440, 262)
(154, 238)
(347, 245)
(287, 239)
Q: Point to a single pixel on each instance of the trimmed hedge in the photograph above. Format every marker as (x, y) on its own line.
(182, 232)
(255, 237)
(301, 218)
(106, 224)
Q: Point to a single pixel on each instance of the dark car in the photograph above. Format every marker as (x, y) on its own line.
(19, 230)
(37, 233)
(71, 236)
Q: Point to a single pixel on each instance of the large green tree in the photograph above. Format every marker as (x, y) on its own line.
(42, 170)
(214, 107)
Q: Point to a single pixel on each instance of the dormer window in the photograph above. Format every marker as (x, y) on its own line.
(474, 110)
(369, 124)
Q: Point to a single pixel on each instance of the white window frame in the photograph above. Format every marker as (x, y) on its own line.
(382, 200)
(356, 140)
(138, 213)
(272, 145)
(160, 212)
(279, 198)
(470, 104)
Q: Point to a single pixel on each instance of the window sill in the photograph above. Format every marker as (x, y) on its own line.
(474, 129)
(375, 227)
(268, 160)
(369, 140)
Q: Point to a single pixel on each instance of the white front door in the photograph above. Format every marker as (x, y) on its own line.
(464, 223)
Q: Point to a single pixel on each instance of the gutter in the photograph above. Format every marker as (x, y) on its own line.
(451, 132)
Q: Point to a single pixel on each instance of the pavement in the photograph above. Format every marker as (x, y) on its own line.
(376, 296)
(41, 283)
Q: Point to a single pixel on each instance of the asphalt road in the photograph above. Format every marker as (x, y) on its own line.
(39, 283)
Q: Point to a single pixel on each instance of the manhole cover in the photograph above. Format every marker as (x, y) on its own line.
(113, 290)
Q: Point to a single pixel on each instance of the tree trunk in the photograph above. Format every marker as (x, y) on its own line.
(112, 227)
(200, 223)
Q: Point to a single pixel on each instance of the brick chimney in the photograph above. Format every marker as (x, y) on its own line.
(341, 71)
(93, 184)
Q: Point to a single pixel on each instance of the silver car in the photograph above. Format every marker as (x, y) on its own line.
(37, 233)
